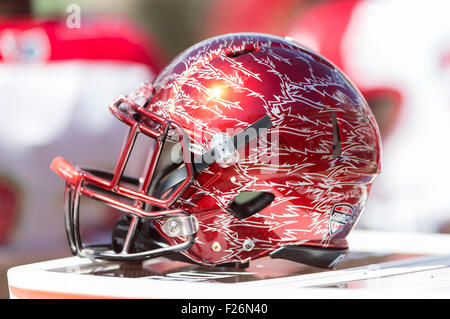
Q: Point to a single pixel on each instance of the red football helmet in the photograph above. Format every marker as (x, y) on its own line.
(262, 147)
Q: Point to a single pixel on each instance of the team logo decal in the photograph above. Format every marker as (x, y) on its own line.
(340, 216)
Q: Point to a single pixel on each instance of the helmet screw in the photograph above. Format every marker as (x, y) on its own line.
(248, 245)
(173, 227)
(216, 247)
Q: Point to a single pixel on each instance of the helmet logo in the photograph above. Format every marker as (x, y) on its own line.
(341, 214)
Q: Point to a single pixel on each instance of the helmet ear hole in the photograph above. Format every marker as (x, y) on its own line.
(337, 146)
(247, 204)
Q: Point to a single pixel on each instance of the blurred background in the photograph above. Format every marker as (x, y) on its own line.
(62, 62)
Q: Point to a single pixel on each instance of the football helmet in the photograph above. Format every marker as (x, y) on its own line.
(261, 147)
(10, 200)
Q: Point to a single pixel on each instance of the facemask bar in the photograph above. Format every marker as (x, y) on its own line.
(78, 181)
(159, 136)
(72, 200)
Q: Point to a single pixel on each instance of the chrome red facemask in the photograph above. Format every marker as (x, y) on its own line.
(104, 186)
(154, 197)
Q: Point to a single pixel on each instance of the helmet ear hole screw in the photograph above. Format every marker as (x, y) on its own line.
(248, 245)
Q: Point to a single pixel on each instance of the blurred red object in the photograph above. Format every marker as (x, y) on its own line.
(59, 79)
(395, 52)
(9, 209)
(99, 38)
